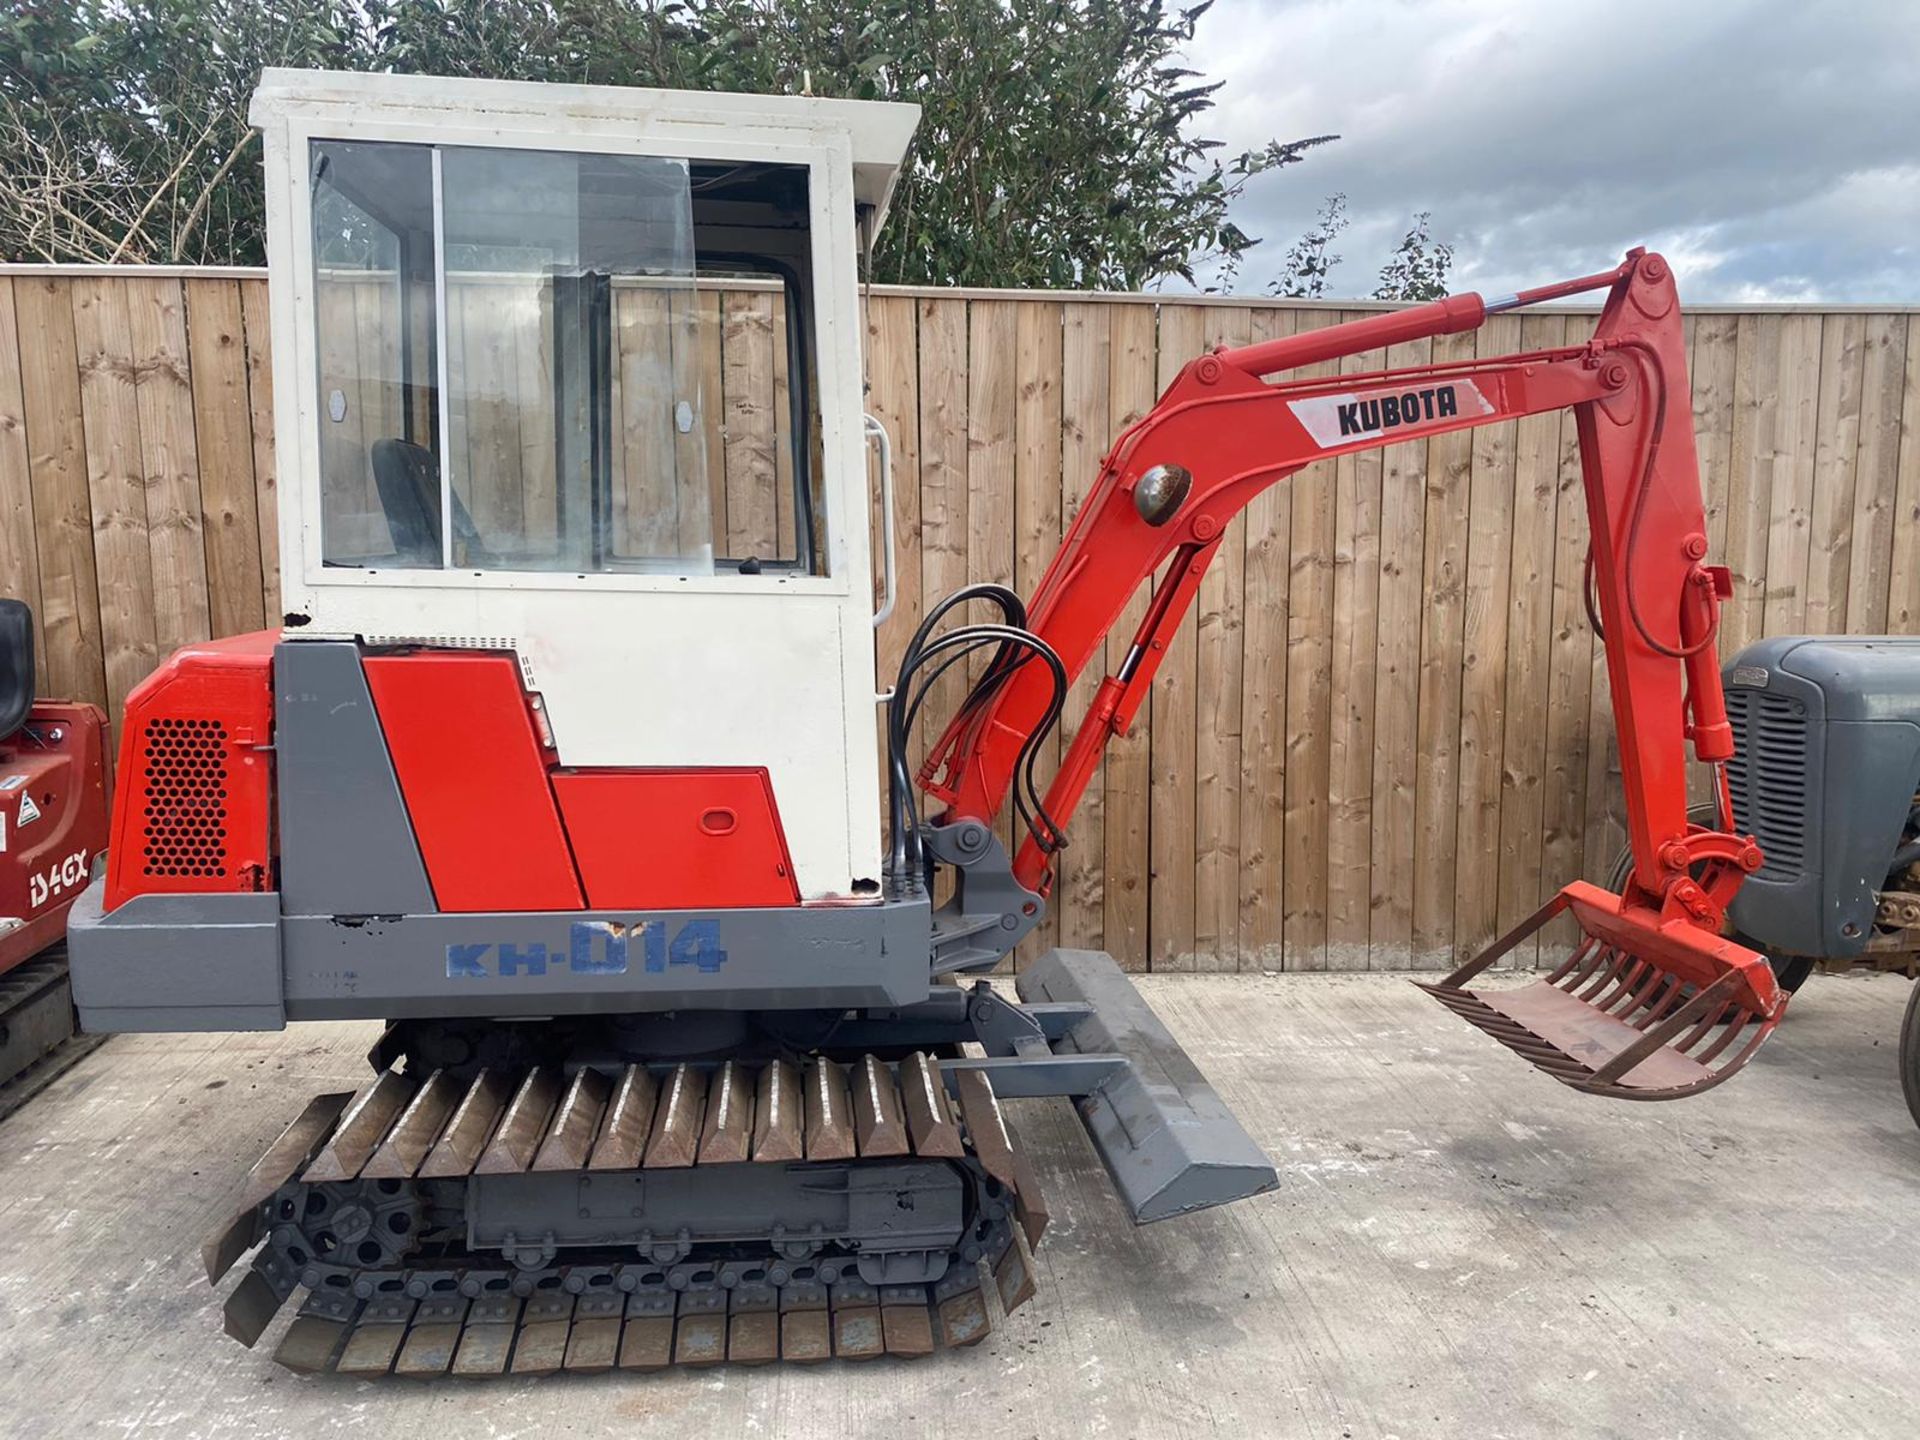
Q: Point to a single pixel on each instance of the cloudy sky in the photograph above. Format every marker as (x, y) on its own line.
(1769, 148)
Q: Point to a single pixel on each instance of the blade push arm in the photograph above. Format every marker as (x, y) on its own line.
(1220, 435)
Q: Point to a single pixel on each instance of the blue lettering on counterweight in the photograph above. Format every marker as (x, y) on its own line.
(609, 957)
(594, 947)
(464, 963)
(533, 959)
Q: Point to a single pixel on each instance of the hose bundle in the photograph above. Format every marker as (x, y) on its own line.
(1014, 646)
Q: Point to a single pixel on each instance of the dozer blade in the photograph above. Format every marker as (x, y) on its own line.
(1642, 1009)
(1167, 1139)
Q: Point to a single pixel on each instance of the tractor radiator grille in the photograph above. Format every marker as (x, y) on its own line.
(185, 829)
(1768, 777)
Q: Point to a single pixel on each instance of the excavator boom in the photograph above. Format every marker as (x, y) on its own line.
(1655, 995)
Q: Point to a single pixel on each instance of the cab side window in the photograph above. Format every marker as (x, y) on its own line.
(546, 361)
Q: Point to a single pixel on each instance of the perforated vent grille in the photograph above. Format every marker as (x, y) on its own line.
(1768, 776)
(186, 814)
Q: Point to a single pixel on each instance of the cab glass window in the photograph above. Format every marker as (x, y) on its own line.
(548, 361)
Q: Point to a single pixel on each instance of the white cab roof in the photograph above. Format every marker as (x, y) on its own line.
(877, 131)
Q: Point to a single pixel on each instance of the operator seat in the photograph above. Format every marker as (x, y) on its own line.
(408, 477)
(16, 665)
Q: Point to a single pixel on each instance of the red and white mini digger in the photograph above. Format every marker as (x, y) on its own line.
(563, 763)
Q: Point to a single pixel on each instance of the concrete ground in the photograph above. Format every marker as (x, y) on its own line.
(1458, 1247)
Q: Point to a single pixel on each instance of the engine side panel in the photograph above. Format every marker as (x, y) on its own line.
(194, 811)
(677, 839)
(346, 844)
(474, 775)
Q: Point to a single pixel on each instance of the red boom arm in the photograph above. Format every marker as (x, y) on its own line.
(1220, 435)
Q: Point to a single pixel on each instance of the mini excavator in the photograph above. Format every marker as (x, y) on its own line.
(562, 762)
(53, 832)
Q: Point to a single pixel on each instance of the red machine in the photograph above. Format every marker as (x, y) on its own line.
(53, 827)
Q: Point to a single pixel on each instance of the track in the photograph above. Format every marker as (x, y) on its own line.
(634, 1218)
(37, 1040)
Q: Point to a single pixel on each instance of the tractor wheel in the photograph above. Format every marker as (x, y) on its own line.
(1790, 972)
(1910, 1054)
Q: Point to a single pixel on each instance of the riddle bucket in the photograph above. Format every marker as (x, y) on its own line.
(1642, 1009)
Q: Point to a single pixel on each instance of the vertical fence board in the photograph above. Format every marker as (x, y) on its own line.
(1483, 665)
(1836, 456)
(786, 525)
(1903, 586)
(1396, 701)
(1219, 666)
(1750, 466)
(62, 507)
(747, 384)
(223, 430)
(1305, 861)
(538, 463)
(1442, 623)
(645, 469)
(893, 369)
(991, 444)
(1267, 600)
(1079, 896)
(1038, 361)
(1533, 539)
(943, 484)
(19, 557)
(1789, 530)
(1563, 797)
(266, 491)
(1876, 473)
(1356, 615)
(1130, 394)
(709, 374)
(1175, 705)
(170, 461)
(110, 415)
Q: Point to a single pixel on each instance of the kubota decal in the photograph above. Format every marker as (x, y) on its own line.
(594, 947)
(1335, 419)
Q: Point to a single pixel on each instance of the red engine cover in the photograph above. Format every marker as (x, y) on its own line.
(501, 827)
(194, 811)
(53, 822)
(473, 773)
(676, 839)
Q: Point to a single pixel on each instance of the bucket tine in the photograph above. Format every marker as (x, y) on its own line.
(1645, 1007)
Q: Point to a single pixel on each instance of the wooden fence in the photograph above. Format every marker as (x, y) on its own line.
(1383, 733)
